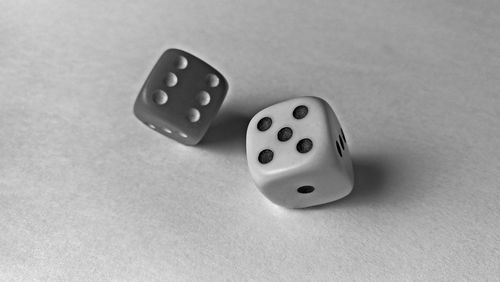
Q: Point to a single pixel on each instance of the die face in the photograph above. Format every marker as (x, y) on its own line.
(296, 163)
(341, 149)
(319, 184)
(181, 97)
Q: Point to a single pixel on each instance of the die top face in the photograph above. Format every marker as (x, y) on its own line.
(181, 96)
(292, 136)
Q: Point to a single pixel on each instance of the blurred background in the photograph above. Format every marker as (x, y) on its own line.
(87, 192)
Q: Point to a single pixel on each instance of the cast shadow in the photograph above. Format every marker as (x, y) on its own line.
(372, 175)
(227, 132)
(370, 178)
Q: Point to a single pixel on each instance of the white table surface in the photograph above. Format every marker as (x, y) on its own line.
(89, 193)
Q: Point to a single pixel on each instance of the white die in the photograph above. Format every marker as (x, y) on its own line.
(297, 153)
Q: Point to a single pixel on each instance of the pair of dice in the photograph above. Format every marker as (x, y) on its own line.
(296, 149)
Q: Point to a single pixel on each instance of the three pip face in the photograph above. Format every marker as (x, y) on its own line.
(296, 150)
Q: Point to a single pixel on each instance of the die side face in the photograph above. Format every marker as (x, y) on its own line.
(315, 186)
(339, 139)
(181, 97)
(298, 173)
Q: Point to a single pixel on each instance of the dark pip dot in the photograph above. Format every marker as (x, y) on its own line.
(300, 112)
(264, 124)
(305, 189)
(338, 148)
(341, 142)
(305, 145)
(343, 136)
(285, 134)
(266, 156)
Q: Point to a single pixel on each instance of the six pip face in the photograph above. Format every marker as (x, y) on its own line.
(181, 97)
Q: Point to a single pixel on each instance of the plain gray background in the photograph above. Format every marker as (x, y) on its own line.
(87, 192)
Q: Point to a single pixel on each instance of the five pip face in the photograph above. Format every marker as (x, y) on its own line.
(296, 150)
(181, 97)
(297, 153)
